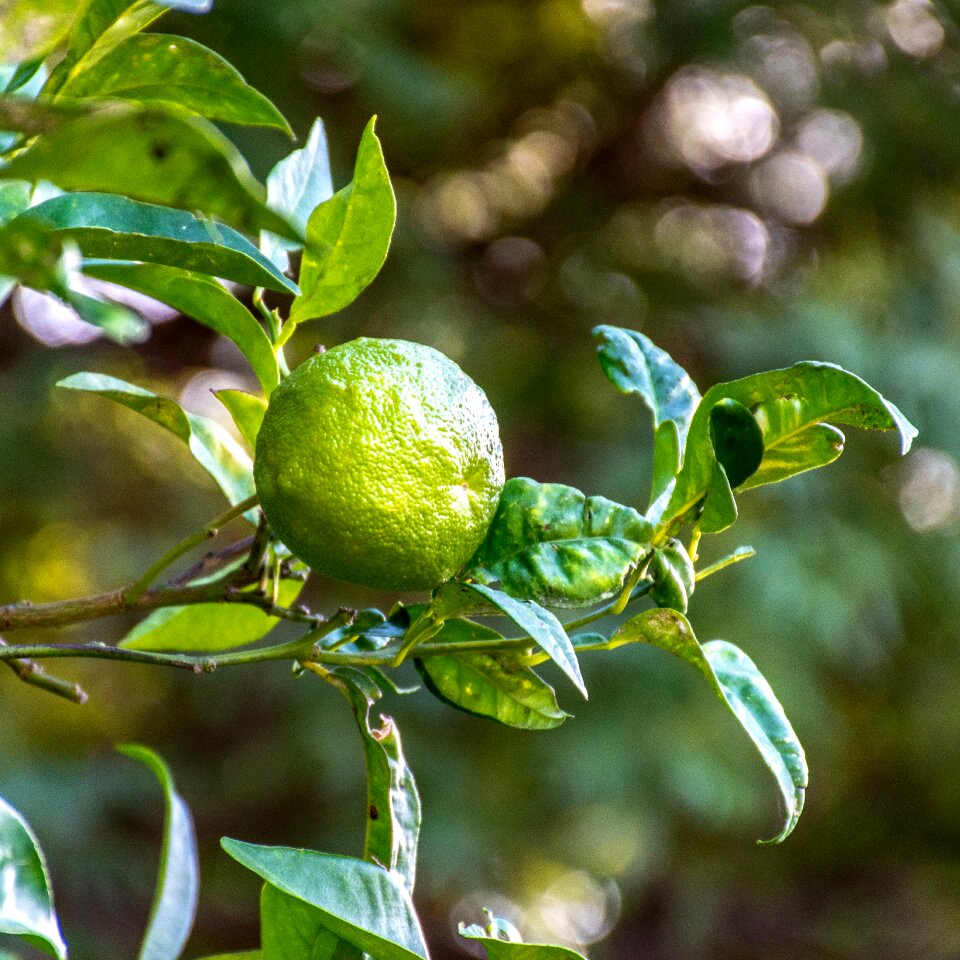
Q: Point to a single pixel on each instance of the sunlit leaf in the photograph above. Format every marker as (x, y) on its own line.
(365, 905)
(347, 237)
(157, 67)
(117, 228)
(740, 685)
(551, 544)
(175, 900)
(798, 399)
(296, 186)
(32, 27)
(497, 686)
(673, 576)
(506, 950)
(291, 929)
(145, 153)
(634, 364)
(26, 903)
(211, 445)
(393, 803)
(246, 410)
(203, 299)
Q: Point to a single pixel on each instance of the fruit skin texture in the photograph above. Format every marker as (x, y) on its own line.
(379, 462)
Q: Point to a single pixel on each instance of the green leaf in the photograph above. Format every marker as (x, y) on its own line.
(117, 322)
(116, 228)
(393, 803)
(291, 929)
(797, 400)
(506, 950)
(247, 412)
(211, 445)
(296, 186)
(160, 68)
(543, 627)
(347, 237)
(497, 686)
(634, 364)
(674, 577)
(365, 905)
(14, 199)
(737, 440)
(175, 901)
(246, 955)
(203, 299)
(207, 627)
(551, 544)
(145, 153)
(33, 27)
(740, 685)
(26, 903)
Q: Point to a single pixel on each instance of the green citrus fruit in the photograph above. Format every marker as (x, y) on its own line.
(379, 462)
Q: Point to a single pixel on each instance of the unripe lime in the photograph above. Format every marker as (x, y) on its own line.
(379, 462)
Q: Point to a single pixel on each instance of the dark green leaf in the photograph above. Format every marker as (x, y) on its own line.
(175, 900)
(673, 576)
(543, 627)
(737, 440)
(798, 399)
(157, 67)
(393, 803)
(291, 929)
(365, 905)
(26, 903)
(203, 299)
(634, 364)
(740, 685)
(207, 627)
(551, 544)
(211, 445)
(145, 153)
(116, 228)
(32, 27)
(498, 686)
(246, 410)
(347, 237)
(506, 950)
(296, 186)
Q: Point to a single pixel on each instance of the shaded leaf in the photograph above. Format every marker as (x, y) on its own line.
(365, 905)
(203, 299)
(26, 903)
(207, 627)
(393, 803)
(543, 627)
(347, 237)
(296, 186)
(291, 929)
(498, 686)
(740, 685)
(815, 392)
(551, 544)
(117, 228)
(634, 364)
(211, 445)
(246, 410)
(737, 440)
(157, 67)
(145, 153)
(175, 901)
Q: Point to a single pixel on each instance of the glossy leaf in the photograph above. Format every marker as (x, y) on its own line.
(674, 577)
(175, 901)
(296, 186)
(740, 685)
(211, 445)
(291, 929)
(145, 153)
(207, 627)
(634, 364)
(544, 628)
(203, 299)
(117, 228)
(20, 39)
(497, 949)
(347, 237)
(393, 803)
(157, 67)
(246, 410)
(26, 903)
(737, 440)
(551, 544)
(365, 905)
(813, 393)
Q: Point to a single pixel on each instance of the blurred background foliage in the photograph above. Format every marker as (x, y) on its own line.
(748, 185)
